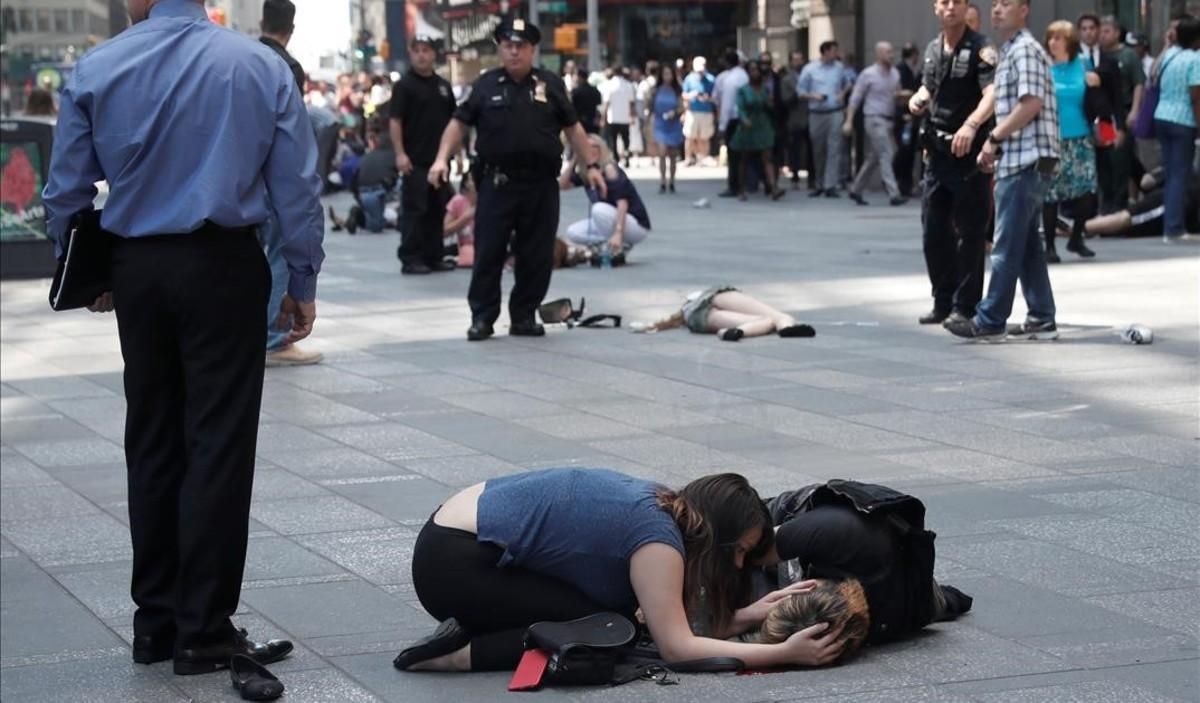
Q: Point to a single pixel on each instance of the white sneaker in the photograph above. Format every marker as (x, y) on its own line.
(292, 355)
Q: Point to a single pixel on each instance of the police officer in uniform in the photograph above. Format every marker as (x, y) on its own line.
(956, 91)
(421, 106)
(518, 112)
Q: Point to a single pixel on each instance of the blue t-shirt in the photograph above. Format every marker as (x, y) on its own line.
(1070, 85)
(696, 83)
(580, 526)
(1175, 81)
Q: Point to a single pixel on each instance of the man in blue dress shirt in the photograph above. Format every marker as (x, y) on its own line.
(191, 125)
(823, 83)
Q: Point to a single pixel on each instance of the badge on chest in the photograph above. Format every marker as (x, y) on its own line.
(539, 91)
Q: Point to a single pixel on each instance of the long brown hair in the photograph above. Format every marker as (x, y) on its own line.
(713, 513)
(838, 603)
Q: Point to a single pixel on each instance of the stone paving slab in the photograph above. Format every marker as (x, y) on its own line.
(1063, 479)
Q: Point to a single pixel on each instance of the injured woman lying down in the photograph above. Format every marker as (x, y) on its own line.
(864, 556)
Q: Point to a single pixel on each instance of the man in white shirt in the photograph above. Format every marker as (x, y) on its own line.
(619, 97)
(725, 91)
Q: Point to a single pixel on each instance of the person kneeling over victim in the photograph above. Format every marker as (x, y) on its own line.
(561, 544)
(616, 219)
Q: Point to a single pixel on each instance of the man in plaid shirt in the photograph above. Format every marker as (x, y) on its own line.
(1023, 152)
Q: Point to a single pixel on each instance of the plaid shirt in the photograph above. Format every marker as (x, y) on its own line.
(1025, 69)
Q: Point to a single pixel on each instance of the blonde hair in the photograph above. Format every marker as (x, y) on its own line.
(581, 160)
(1063, 29)
(840, 603)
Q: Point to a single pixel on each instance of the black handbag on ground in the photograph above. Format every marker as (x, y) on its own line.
(599, 650)
(85, 271)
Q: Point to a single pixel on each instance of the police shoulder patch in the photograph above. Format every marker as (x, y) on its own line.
(988, 55)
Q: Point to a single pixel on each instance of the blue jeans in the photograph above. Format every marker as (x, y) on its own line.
(271, 237)
(1178, 146)
(1017, 253)
(373, 201)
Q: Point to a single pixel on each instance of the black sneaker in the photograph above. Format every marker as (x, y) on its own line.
(1041, 330)
(933, 317)
(967, 329)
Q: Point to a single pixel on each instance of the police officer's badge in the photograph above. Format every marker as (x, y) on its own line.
(445, 92)
(518, 25)
(988, 55)
(539, 90)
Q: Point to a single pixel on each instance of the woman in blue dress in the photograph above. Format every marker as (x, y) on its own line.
(668, 125)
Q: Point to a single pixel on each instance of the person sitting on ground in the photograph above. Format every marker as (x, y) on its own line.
(373, 185)
(1145, 217)
(460, 221)
(857, 542)
(561, 544)
(618, 219)
(731, 314)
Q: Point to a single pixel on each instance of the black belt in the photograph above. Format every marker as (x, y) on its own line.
(518, 175)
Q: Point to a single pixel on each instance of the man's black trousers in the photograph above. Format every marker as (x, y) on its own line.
(524, 213)
(733, 159)
(189, 312)
(422, 220)
(955, 216)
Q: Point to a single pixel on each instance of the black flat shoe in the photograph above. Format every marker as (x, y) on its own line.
(252, 680)
(1080, 249)
(858, 199)
(797, 331)
(449, 637)
(733, 334)
(527, 328)
(480, 331)
(150, 649)
(205, 660)
(415, 269)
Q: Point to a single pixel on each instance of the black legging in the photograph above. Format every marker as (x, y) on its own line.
(1082, 210)
(456, 576)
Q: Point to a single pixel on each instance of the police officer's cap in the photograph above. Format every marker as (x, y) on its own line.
(517, 29)
(423, 39)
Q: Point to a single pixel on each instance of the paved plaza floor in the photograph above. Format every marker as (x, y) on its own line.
(1062, 478)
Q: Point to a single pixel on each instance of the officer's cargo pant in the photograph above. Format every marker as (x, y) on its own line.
(525, 212)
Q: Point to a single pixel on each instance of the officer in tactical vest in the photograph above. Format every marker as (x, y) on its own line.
(956, 91)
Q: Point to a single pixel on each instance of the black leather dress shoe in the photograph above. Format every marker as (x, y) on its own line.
(415, 269)
(480, 331)
(252, 680)
(149, 649)
(449, 637)
(527, 328)
(439, 266)
(205, 660)
(934, 317)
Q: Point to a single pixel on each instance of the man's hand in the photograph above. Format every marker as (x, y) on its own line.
(595, 179)
(439, 173)
(1131, 121)
(814, 646)
(963, 138)
(403, 163)
(297, 316)
(917, 104)
(103, 303)
(987, 157)
(616, 243)
(847, 128)
(756, 612)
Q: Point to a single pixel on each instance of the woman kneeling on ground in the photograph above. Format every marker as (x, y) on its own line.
(561, 544)
(617, 219)
(731, 315)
